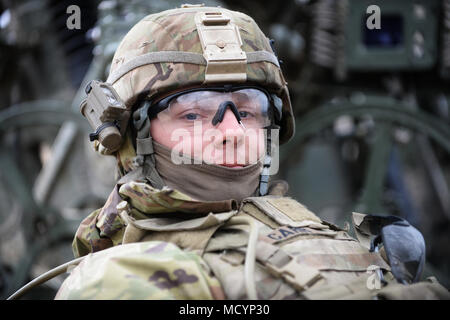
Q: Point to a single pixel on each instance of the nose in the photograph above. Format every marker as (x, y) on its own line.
(229, 121)
(230, 127)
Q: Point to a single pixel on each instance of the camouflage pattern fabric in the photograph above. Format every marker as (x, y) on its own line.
(148, 270)
(341, 261)
(104, 227)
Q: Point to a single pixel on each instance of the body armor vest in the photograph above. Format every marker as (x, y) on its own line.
(295, 254)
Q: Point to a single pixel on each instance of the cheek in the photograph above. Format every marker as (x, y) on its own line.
(172, 137)
(254, 147)
(161, 134)
(260, 144)
(256, 142)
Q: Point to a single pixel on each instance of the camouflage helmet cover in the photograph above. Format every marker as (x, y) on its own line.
(164, 53)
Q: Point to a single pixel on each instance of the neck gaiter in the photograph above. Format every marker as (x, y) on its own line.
(207, 182)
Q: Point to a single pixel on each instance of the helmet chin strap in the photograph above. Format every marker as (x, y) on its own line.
(144, 146)
(264, 177)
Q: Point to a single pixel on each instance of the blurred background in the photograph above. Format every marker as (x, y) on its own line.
(371, 105)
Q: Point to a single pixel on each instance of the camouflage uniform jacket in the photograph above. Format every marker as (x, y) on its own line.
(147, 243)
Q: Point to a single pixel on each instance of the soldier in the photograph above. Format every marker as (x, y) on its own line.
(193, 104)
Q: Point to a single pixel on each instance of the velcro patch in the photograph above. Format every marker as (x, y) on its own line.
(286, 211)
(293, 209)
(255, 212)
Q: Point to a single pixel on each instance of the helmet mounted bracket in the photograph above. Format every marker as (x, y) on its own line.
(221, 43)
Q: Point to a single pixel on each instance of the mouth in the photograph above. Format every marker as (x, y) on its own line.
(231, 165)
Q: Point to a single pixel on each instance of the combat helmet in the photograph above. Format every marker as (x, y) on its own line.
(175, 50)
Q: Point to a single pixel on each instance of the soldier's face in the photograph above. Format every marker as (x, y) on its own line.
(227, 143)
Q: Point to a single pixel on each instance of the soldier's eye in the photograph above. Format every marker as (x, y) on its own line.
(191, 116)
(244, 114)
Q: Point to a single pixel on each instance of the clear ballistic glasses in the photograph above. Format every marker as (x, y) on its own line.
(249, 105)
